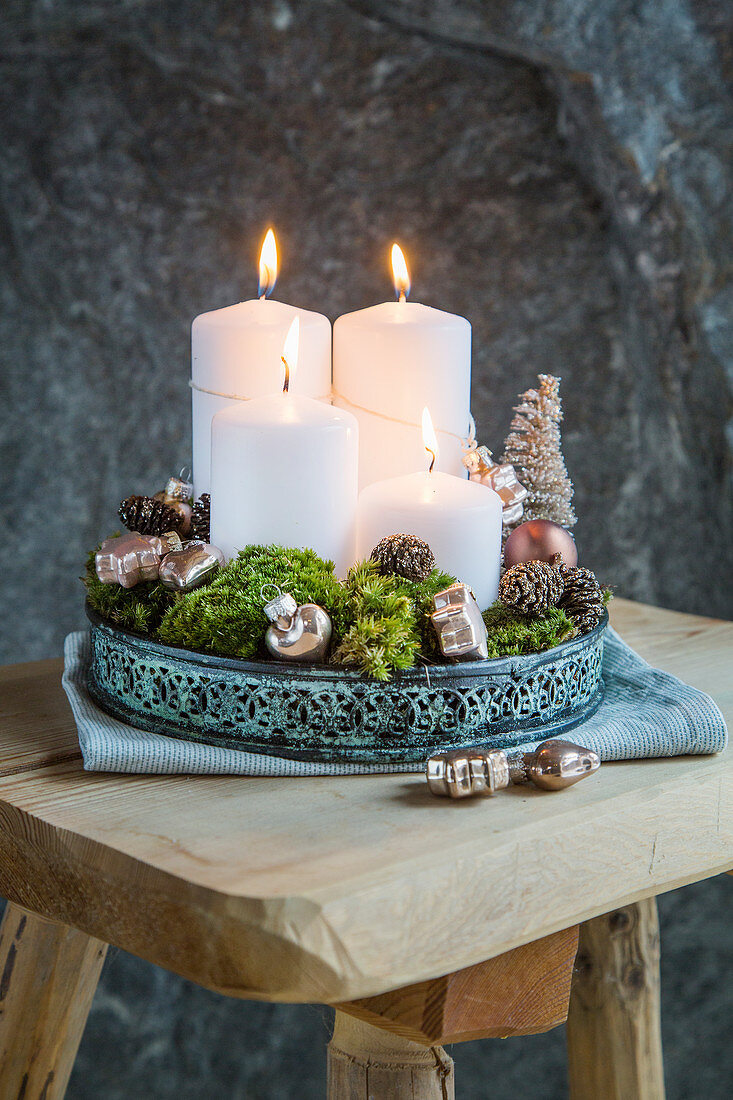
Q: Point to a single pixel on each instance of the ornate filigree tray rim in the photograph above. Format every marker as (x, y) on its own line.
(417, 689)
(339, 673)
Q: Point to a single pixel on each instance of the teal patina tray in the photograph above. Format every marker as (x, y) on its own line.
(328, 714)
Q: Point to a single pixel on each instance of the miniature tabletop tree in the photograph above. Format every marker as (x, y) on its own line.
(533, 447)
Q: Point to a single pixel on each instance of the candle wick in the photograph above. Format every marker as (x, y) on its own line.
(286, 383)
(403, 296)
(432, 459)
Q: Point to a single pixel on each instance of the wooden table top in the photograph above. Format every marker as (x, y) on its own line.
(329, 889)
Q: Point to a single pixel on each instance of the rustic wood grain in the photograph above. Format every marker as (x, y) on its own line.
(35, 721)
(48, 974)
(337, 888)
(522, 992)
(614, 1035)
(366, 1063)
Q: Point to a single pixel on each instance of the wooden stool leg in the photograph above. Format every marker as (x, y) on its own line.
(48, 974)
(366, 1062)
(614, 1032)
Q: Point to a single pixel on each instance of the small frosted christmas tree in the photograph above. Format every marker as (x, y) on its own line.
(533, 449)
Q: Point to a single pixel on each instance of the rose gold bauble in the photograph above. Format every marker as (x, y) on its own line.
(538, 540)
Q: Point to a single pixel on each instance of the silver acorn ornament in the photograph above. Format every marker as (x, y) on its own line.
(553, 766)
(557, 764)
(297, 632)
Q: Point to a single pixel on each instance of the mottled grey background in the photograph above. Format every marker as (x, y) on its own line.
(558, 171)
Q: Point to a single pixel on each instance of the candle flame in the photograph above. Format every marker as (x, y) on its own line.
(290, 352)
(430, 439)
(268, 265)
(400, 274)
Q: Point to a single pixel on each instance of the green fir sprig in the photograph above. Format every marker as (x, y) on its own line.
(388, 620)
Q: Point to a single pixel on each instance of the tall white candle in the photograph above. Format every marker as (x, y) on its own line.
(459, 519)
(389, 361)
(284, 471)
(229, 346)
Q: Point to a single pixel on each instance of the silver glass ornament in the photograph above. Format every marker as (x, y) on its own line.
(183, 509)
(501, 477)
(557, 764)
(458, 623)
(172, 541)
(178, 488)
(282, 606)
(128, 559)
(191, 566)
(466, 773)
(297, 633)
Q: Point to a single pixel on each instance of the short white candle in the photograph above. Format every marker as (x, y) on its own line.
(460, 520)
(284, 471)
(389, 361)
(229, 346)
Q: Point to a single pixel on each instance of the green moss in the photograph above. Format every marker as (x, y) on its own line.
(140, 608)
(388, 620)
(227, 617)
(512, 634)
(380, 624)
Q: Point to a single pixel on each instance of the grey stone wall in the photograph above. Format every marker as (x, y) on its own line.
(558, 171)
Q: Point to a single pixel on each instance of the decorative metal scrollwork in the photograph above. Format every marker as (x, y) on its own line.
(329, 714)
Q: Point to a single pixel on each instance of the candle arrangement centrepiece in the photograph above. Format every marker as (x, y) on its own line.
(294, 600)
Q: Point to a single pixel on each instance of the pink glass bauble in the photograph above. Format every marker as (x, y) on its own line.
(539, 540)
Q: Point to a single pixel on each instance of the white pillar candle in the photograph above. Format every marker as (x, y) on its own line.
(229, 346)
(389, 361)
(460, 520)
(284, 471)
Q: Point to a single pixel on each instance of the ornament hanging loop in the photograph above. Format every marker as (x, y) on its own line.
(470, 443)
(281, 607)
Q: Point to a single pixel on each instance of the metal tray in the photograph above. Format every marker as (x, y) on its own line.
(330, 714)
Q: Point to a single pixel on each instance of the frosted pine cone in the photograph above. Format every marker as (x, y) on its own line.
(404, 556)
(589, 619)
(201, 518)
(148, 516)
(582, 600)
(531, 586)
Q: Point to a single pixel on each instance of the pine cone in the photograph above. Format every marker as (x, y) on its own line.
(201, 518)
(148, 516)
(531, 586)
(589, 619)
(404, 556)
(582, 600)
